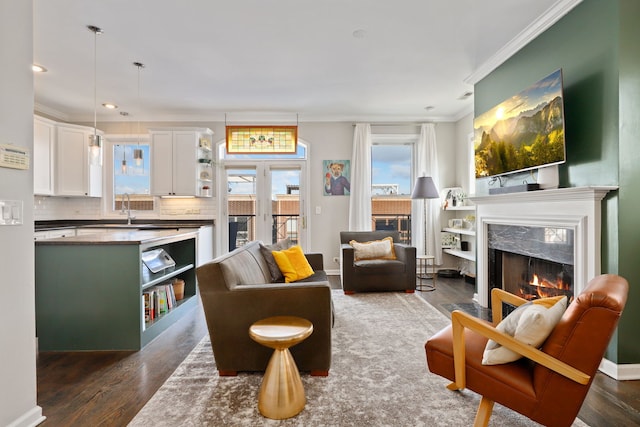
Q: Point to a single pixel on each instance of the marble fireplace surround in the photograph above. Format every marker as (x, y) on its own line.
(576, 208)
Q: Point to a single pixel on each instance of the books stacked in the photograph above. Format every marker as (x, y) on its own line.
(157, 301)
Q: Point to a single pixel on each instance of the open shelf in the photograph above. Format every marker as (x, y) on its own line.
(150, 279)
(468, 255)
(465, 231)
(460, 208)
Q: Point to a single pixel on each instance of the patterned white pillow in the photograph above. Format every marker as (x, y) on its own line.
(531, 323)
(376, 249)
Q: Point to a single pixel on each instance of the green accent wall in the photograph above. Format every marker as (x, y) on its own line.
(596, 46)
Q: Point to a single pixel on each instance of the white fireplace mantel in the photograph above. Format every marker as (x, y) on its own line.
(578, 208)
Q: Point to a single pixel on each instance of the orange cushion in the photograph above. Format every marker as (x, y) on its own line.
(293, 264)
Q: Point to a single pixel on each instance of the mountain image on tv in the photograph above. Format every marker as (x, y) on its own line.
(523, 132)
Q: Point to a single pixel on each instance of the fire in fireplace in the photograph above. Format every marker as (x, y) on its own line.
(532, 278)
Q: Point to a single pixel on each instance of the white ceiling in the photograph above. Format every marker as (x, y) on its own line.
(353, 60)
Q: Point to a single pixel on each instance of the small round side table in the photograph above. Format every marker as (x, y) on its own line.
(423, 263)
(281, 393)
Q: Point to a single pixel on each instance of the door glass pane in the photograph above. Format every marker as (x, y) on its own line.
(241, 206)
(285, 205)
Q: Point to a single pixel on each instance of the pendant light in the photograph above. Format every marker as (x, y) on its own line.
(123, 166)
(95, 140)
(137, 152)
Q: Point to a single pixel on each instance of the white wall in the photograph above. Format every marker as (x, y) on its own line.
(327, 140)
(17, 317)
(464, 127)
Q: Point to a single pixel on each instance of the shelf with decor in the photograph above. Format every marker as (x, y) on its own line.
(458, 230)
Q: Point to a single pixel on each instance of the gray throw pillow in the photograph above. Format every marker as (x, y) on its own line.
(276, 274)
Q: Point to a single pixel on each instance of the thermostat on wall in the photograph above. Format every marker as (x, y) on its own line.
(14, 157)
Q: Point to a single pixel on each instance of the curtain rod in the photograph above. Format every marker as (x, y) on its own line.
(397, 123)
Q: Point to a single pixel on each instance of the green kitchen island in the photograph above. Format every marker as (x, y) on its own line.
(89, 289)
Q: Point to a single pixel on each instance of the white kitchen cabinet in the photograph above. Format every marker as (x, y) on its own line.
(75, 175)
(44, 139)
(176, 168)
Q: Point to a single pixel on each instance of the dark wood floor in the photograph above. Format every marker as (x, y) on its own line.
(109, 388)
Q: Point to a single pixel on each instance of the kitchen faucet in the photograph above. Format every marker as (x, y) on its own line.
(129, 217)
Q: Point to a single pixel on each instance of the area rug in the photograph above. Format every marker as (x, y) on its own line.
(378, 377)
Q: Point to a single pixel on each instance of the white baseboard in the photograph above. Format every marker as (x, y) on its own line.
(620, 372)
(29, 419)
(332, 272)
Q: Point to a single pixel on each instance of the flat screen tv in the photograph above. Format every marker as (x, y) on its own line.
(523, 132)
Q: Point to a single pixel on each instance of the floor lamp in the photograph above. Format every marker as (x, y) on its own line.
(425, 189)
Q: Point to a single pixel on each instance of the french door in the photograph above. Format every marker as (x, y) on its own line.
(262, 201)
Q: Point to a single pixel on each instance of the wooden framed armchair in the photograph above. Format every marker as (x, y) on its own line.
(549, 391)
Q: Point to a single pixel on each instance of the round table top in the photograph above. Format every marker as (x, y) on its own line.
(281, 330)
(425, 257)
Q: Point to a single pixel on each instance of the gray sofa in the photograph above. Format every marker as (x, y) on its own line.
(377, 275)
(237, 290)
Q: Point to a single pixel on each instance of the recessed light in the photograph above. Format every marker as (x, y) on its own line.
(465, 95)
(38, 68)
(359, 33)
(110, 106)
(429, 107)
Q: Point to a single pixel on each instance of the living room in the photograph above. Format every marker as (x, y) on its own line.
(593, 44)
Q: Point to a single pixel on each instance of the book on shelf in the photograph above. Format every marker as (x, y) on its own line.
(149, 305)
(162, 300)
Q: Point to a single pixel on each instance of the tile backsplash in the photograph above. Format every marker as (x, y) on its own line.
(60, 208)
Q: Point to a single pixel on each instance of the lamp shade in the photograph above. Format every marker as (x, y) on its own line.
(425, 189)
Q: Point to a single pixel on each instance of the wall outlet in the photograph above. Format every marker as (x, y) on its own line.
(336, 259)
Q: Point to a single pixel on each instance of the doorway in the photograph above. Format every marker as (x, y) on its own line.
(262, 200)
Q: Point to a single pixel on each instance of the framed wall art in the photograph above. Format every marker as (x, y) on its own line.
(337, 177)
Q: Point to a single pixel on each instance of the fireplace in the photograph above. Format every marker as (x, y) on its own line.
(552, 233)
(530, 261)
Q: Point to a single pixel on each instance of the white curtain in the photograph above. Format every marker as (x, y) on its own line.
(427, 165)
(360, 199)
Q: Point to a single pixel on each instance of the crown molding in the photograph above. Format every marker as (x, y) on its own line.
(50, 112)
(533, 30)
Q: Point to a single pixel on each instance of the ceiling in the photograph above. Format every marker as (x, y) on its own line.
(335, 60)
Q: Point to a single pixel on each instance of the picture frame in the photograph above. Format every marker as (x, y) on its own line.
(457, 223)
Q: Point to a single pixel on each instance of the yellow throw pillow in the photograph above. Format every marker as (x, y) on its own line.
(375, 249)
(293, 264)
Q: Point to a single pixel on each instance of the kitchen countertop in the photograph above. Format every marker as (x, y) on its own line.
(105, 223)
(118, 237)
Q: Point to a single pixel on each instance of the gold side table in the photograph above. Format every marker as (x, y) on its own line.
(281, 393)
(423, 263)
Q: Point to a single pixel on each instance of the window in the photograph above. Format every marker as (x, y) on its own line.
(131, 176)
(391, 183)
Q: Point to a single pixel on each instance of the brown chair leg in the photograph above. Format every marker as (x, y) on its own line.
(318, 373)
(227, 373)
(484, 413)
